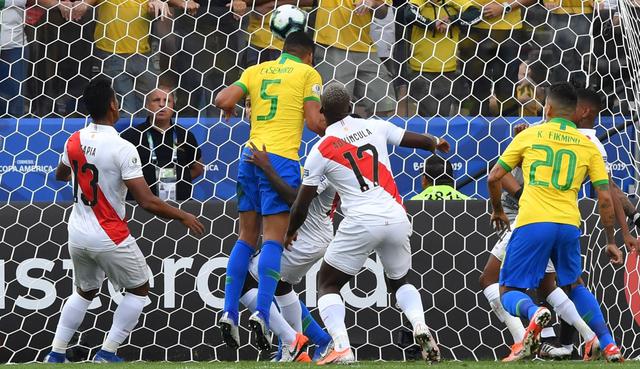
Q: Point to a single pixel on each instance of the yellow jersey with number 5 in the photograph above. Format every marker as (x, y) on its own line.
(278, 90)
(555, 159)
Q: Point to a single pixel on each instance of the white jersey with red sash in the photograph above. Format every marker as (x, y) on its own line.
(354, 158)
(100, 162)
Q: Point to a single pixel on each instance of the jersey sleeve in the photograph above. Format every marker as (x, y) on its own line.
(393, 133)
(314, 168)
(512, 156)
(130, 164)
(65, 155)
(243, 82)
(597, 170)
(313, 86)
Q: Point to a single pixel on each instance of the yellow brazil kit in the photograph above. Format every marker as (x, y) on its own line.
(122, 27)
(555, 160)
(278, 90)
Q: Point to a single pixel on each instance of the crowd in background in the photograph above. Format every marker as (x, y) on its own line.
(426, 57)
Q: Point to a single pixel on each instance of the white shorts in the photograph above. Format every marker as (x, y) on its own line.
(500, 249)
(124, 266)
(295, 263)
(353, 243)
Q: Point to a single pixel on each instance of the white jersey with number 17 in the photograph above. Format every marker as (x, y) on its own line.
(353, 156)
(100, 162)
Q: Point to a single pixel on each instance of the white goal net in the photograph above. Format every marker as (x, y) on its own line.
(464, 70)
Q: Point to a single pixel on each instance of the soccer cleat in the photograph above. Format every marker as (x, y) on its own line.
(423, 337)
(612, 353)
(292, 352)
(303, 358)
(517, 353)
(591, 349)
(338, 357)
(550, 351)
(55, 358)
(260, 331)
(321, 351)
(229, 331)
(531, 341)
(103, 356)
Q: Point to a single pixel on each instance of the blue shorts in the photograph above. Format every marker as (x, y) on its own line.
(530, 248)
(254, 190)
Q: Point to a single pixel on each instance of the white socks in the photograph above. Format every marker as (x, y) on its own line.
(566, 309)
(547, 332)
(277, 324)
(291, 310)
(410, 303)
(72, 315)
(332, 312)
(124, 320)
(514, 324)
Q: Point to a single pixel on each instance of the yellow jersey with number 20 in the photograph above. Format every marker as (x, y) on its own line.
(278, 90)
(555, 159)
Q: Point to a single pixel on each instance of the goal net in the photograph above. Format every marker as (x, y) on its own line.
(454, 73)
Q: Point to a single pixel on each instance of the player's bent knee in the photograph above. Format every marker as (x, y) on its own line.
(139, 291)
(283, 288)
(87, 295)
(394, 284)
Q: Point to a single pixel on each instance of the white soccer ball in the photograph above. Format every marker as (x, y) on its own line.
(287, 19)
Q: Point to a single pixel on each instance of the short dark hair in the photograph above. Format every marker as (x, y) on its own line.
(438, 171)
(298, 43)
(590, 97)
(564, 97)
(97, 97)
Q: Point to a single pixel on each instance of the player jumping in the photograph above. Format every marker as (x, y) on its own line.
(555, 159)
(284, 94)
(353, 157)
(103, 167)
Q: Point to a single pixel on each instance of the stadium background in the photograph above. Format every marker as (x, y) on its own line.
(200, 53)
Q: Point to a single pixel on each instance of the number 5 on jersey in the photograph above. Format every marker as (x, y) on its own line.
(273, 99)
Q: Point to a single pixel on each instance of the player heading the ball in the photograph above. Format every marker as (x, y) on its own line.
(103, 167)
(284, 93)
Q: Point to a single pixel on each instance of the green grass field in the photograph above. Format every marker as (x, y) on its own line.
(360, 365)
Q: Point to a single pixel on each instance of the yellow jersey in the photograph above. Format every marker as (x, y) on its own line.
(555, 159)
(338, 26)
(259, 33)
(433, 51)
(511, 20)
(572, 6)
(122, 27)
(278, 90)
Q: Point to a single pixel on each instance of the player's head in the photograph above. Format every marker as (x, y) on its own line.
(561, 101)
(100, 101)
(437, 172)
(588, 108)
(160, 103)
(301, 45)
(336, 102)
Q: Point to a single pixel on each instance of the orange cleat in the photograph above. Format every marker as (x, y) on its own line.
(612, 353)
(292, 352)
(517, 353)
(531, 341)
(591, 349)
(303, 358)
(338, 357)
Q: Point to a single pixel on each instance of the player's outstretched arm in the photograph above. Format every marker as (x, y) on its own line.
(260, 158)
(607, 217)
(299, 212)
(512, 186)
(424, 141)
(314, 119)
(227, 99)
(620, 209)
(139, 188)
(499, 219)
(63, 173)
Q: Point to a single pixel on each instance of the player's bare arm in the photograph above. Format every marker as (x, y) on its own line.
(499, 219)
(627, 206)
(314, 119)
(63, 173)
(196, 169)
(424, 141)
(260, 158)
(299, 212)
(139, 188)
(620, 216)
(512, 186)
(227, 99)
(607, 217)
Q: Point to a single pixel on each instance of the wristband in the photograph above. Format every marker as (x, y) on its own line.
(518, 194)
(437, 140)
(636, 219)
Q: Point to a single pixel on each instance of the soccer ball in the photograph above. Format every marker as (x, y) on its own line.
(287, 19)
